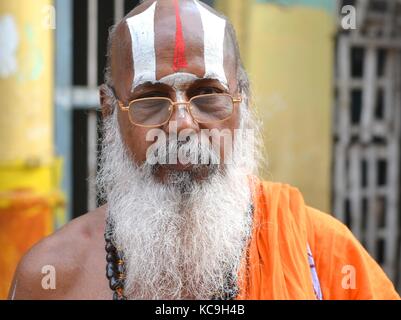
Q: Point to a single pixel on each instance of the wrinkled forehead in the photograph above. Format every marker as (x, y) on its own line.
(178, 36)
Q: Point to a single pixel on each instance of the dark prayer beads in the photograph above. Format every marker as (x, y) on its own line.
(115, 270)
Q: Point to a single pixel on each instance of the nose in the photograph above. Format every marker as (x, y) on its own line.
(182, 118)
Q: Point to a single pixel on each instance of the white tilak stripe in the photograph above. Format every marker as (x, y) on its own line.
(214, 31)
(142, 30)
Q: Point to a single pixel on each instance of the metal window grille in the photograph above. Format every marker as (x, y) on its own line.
(367, 121)
(92, 20)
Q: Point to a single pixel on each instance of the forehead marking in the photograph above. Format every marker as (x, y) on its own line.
(179, 79)
(214, 30)
(180, 61)
(142, 30)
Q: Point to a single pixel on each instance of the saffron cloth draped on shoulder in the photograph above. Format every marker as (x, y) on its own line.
(277, 264)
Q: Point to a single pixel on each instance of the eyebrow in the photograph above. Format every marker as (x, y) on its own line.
(223, 85)
(148, 84)
(200, 80)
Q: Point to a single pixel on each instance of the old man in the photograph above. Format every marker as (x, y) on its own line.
(186, 218)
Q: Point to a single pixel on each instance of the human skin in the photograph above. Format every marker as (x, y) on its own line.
(76, 251)
(133, 136)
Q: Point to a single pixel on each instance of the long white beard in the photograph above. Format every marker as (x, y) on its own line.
(177, 244)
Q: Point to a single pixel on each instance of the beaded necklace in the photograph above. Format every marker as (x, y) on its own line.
(115, 268)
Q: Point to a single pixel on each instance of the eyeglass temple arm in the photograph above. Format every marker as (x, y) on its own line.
(122, 106)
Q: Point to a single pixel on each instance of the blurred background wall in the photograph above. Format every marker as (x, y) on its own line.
(29, 171)
(329, 98)
(288, 50)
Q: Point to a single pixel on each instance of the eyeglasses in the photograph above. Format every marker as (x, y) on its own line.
(156, 112)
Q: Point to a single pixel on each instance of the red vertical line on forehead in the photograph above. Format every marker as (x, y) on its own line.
(180, 60)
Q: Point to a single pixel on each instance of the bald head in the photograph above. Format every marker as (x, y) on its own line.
(159, 38)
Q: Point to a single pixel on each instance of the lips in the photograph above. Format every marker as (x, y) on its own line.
(178, 167)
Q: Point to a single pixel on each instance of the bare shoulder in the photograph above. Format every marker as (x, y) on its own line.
(63, 253)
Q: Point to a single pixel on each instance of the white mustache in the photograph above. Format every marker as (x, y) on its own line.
(192, 151)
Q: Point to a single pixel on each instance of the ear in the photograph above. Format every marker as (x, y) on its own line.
(106, 103)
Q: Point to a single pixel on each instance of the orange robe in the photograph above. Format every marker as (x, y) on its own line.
(277, 261)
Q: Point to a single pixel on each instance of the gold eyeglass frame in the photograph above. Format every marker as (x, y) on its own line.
(173, 105)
